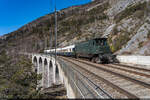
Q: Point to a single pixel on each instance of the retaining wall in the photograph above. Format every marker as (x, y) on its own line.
(141, 60)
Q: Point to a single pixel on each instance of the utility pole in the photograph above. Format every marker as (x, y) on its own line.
(55, 32)
(50, 41)
(50, 38)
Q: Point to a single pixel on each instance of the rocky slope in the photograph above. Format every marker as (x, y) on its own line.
(126, 23)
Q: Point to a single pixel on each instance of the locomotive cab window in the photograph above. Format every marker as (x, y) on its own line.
(101, 42)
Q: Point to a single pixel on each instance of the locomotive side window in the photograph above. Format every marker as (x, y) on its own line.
(101, 42)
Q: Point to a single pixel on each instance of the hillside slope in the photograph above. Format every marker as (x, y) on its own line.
(126, 23)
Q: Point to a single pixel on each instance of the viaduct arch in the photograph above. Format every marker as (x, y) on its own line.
(50, 72)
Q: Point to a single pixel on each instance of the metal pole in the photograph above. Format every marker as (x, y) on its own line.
(55, 32)
(45, 42)
(50, 38)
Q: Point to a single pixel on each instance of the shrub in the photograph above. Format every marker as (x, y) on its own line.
(115, 31)
(121, 40)
(148, 35)
(21, 80)
(130, 10)
(3, 57)
(139, 14)
(141, 44)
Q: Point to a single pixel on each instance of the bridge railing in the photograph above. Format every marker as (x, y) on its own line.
(82, 86)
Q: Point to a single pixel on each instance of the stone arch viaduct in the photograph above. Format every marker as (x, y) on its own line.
(61, 72)
(51, 73)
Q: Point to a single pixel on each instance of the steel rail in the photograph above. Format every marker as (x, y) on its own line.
(78, 89)
(97, 87)
(89, 92)
(132, 67)
(76, 86)
(147, 85)
(129, 95)
(127, 70)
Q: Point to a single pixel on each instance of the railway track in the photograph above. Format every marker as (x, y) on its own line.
(132, 67)
(136, 73)
(127, 82)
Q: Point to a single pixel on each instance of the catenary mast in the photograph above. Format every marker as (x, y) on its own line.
(55, 33)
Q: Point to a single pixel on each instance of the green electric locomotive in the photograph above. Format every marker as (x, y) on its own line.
(97, 50)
